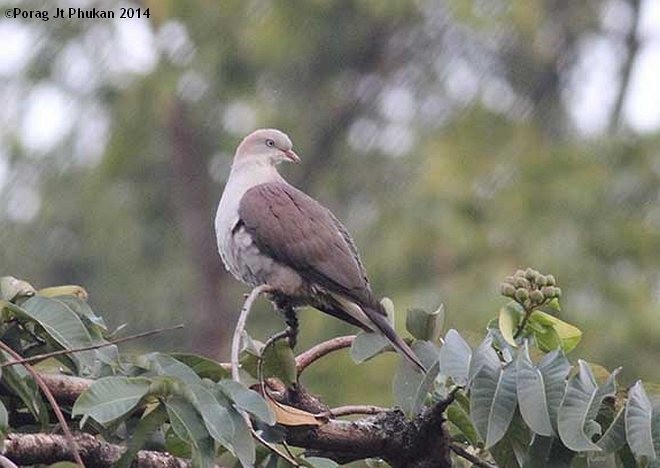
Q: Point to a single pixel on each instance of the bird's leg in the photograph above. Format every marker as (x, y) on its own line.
(291, 320)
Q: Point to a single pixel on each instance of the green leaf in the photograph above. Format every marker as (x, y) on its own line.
(21, 383)
(426, 326)
(62, 325)
(163, 364)
(538, 452)
(484, 355)
(459, 418)
(189, 426)
(242, 444)
(546, 337)
(493, 400)
(367, 345)
(12, 288)
(509, 319)
(540, 389)
(247, 400)
(455, 357)
(4, 421)
(639, 430)
(568, 334)
(216, 417)
(579, 407)
(411, 388)
(318, 462)
(147, 426)
(110, 398)
(83, 310)
(279, 361)
(511, 449)
(615, 436)
(204, 367)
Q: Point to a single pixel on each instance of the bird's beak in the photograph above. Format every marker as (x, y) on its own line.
(292, 156)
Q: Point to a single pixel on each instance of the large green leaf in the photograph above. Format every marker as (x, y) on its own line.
(459, 418)
(410, 387)
(4, 421)
(508, 319)
(247, 400)
(62, 325)
(455, 356)
(569, 336)
(12, 288)
(18, 380)
(110, 398)
(202, 366)
(510, 451)
(540, 389)
(615, 436)
(147, 426)
(579, 407)
(165, 365)
(484, 355)
(639, 429)
(242, 444)
(317, 462)
(493, 399)
(367, 345)
(189, 426)
(279, 362)
(216, 417)
(424, 325)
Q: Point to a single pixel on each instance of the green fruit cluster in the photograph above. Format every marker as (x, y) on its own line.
(530, 288)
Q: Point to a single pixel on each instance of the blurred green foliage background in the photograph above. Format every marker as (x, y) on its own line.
(458, 140)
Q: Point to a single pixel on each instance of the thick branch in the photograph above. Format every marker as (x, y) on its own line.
(317, 352)
(32, 449)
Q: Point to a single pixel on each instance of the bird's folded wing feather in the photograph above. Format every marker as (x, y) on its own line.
(297, 231)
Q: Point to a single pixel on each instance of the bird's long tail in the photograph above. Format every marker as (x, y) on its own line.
(379, 319)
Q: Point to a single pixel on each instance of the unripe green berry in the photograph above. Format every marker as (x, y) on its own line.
(507, 290)
(522, 283)
(557, 292)
(510, 280)
(530, 274)
(536, 297)
(522, 295)
(548, 292)
(550, 280)
(520, 273)
(541, 280)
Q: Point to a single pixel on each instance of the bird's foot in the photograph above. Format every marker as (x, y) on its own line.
(291, 320)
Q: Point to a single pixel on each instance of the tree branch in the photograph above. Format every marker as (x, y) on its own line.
(240, 327)
(61, 352)
(32, 449)
(632, 46)
(317, 352)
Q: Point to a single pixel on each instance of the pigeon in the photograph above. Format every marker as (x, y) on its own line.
(270, 233)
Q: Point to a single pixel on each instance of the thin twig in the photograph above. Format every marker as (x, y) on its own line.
(356, 409)
(51, 400)
(235, 348)
(41, 357)
(315, 353)
(240, 327)
(461, 452)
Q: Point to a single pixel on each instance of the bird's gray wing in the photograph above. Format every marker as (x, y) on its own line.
(297, 231)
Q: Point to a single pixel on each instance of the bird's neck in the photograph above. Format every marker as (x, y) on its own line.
(254, 174)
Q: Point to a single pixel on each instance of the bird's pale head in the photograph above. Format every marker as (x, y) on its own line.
(266, 146)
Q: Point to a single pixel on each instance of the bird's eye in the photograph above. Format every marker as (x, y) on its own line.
(270, 142)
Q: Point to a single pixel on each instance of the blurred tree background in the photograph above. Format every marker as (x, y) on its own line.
(458, 140)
